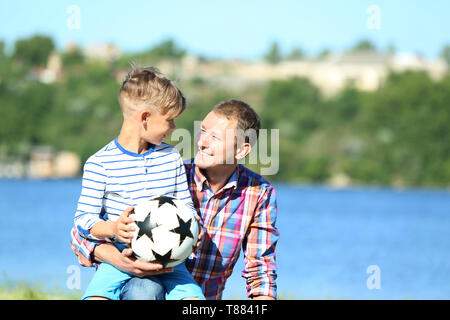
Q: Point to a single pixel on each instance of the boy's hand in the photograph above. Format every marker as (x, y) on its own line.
(121, 228)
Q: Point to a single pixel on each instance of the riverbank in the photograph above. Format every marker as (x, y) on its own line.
(26, 291)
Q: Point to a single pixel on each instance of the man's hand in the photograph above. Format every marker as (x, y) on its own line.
(126, 261)
(263, 298)
(141, 268)
(121, 228)
(200, 233)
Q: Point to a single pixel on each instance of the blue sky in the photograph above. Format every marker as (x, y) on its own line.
(234, 29)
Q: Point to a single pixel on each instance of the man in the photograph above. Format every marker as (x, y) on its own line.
(238, 208)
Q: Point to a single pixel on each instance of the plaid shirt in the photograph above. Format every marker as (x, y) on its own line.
(241, 214)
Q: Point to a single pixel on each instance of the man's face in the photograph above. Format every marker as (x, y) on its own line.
(215, 145)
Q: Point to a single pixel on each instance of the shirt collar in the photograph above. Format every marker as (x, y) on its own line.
(200, 178)
(202, 182)
(232, 182)
(134, 154)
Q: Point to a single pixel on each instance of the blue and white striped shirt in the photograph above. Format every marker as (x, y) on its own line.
(115, 179)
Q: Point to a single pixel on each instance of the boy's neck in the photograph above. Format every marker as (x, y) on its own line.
(130, 140)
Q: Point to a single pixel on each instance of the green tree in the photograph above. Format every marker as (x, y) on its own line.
(73, 57)
(445, 54)
(364, 46)
(294, 107)
(167, 49)
(324, 53)
(296, 54)
(296, 101)
(273, 55)
(33, 51)
(2, 49)
(413, 109)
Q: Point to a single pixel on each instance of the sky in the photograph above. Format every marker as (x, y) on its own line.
(233, 29)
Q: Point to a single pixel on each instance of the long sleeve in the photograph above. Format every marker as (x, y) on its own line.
(259, 248)
(90, 203)
(181, 187)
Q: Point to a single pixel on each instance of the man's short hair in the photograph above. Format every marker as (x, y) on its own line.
(148, 88)
(247, 119)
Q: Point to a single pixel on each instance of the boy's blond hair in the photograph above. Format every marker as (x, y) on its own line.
(148, 88)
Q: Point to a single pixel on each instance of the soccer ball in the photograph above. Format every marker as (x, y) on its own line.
(165, 230)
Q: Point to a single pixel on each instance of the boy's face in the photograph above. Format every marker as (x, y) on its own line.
(158, 127)
(213, 146)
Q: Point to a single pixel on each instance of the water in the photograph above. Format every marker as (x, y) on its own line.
(329, 238)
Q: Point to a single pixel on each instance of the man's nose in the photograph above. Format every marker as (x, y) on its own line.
(202, 140)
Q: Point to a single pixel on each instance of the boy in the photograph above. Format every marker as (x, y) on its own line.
(134, 167)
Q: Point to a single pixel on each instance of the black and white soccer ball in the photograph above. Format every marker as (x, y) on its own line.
(165, 230)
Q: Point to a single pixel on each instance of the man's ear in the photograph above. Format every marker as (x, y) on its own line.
(243, 151)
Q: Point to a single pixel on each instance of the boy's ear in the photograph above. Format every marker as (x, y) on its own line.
(144, 115)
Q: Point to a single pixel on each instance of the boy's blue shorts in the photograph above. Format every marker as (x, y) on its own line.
(108, 282)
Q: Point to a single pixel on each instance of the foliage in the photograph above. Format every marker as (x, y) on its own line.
(23, 290)
(364, 45)
(166, 49)
(396, 135)
(273, 55)
(445, 54)
(33, 51)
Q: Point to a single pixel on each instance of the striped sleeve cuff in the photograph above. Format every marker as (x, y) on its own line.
(83, 248)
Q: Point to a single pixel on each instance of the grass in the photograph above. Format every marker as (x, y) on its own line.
(26, 291)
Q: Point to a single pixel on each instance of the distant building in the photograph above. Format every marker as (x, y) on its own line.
(12, 169)
(41, 162)
(105, 52)
(51, 73)
(45, 162)
(365, 70)
(66, 165)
